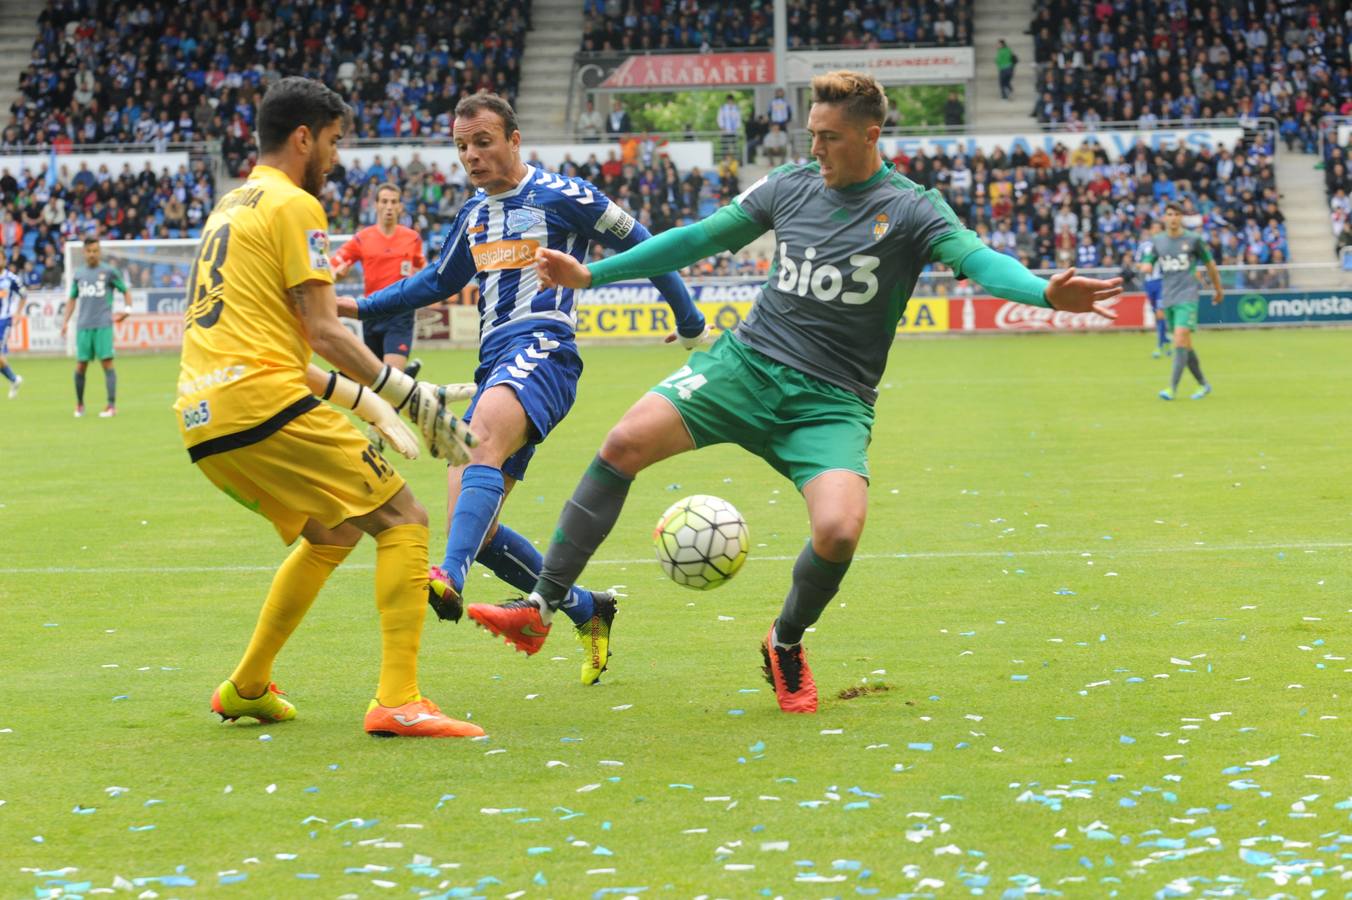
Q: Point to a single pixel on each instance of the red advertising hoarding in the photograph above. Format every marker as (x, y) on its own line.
(693, 70)
(993, 314)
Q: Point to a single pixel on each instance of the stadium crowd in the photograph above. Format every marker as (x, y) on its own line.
(1145, 61)
(1338, 182)
(39, 213)
(629, 25)
(124, 71)
(1076, 207)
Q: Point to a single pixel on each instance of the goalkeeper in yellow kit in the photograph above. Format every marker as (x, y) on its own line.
(260, 301)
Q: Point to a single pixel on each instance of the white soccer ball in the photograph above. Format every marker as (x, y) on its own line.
(701, 541)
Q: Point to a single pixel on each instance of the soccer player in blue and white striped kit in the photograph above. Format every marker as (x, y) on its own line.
(528, 361)
(1153, 282)
(11, 292)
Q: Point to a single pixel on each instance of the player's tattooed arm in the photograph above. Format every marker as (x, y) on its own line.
(296, 297)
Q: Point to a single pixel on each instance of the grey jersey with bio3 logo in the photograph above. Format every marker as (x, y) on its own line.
(1177, 259)
(846, 262)
(93, 288)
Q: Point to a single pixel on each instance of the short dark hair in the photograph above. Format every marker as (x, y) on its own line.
(485, 100)
(390, 186)
(292, 102)
(91, 239)
(1173, 207)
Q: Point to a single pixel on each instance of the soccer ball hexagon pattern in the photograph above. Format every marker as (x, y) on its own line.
(701, 541)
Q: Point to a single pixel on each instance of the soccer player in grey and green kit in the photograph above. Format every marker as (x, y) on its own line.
(91, 289)
(1175, 255)
(795, 383)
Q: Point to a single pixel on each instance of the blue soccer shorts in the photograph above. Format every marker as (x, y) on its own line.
(1154, 292)
(544, 372)
(389, 336)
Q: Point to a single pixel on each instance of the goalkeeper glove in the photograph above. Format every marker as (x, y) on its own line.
(445, 435)
(339, 389)
(453, 393)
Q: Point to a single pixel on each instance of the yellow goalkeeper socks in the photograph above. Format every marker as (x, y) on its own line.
(401, 598)
(293, 590)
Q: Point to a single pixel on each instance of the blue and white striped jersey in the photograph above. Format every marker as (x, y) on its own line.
(11, 292)
(1143, 250)
(494, 239)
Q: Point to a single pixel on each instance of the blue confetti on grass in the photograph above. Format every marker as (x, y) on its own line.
(538, 851)
(922, 746)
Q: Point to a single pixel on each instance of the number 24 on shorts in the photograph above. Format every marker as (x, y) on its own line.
(684, 383)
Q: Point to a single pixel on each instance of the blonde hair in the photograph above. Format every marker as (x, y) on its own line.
(861, 95)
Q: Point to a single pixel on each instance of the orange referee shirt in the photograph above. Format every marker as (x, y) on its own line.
(384, 260)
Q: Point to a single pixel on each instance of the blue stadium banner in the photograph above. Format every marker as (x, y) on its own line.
(1276, 308)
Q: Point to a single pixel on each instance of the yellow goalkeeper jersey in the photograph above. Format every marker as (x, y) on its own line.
(242, 372)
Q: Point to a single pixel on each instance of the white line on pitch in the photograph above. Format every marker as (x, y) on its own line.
(938, 554)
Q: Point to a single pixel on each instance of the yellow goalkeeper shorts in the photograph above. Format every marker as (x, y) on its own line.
(316, 466)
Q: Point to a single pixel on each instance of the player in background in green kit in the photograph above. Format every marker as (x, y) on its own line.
(91, 289)
(1174, 255)
(796, 382)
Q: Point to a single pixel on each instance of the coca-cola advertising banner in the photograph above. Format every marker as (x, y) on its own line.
(994, 314)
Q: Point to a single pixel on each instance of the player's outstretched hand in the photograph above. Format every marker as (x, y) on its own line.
(339, 389)
(445, 435)
(347, 307)
(1075, 293)
(451, 438)
(392, 428)
(707, 336)
(558, 268)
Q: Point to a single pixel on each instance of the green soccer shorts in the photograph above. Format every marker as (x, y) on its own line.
(93, 343)
(1181, 315)
(800, 425)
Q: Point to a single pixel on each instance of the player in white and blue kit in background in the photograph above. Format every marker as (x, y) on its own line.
(11, 292)
(1153, 282)
(528, 360)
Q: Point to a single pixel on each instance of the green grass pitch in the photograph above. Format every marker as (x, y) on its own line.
(1108, 637)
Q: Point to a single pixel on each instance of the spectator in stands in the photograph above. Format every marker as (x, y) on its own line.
(1005, 61)
(780, 111)
(955, 113)
(590, 123)
(757, 129)
(122, 71)
(875, 23)
(776, 145)
(1344, 240)
(618, 122)
(1284, 61)
(729, 124)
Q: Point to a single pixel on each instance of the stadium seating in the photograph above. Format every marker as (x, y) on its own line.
(1071, 208)
(686, 25)
(38, 216)
(1142, 61)
(133, 72)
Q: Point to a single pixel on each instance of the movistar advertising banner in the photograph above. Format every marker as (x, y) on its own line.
(1276, 308)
